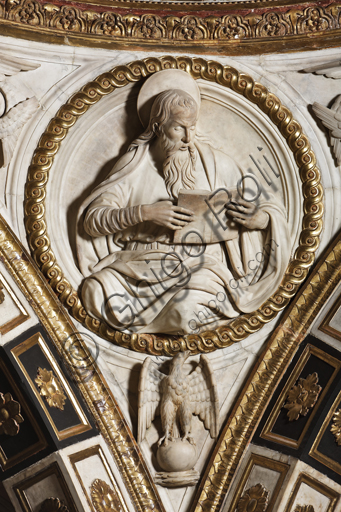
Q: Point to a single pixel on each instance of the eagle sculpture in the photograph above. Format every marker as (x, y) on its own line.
(176, 397)
(14, 113)
(331, 119)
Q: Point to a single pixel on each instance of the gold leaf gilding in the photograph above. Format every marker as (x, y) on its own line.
(302, 397)
(50, 142)
(2, 294)
(104, 498)
(50, 388)
(266, 29)
(336, 427)
(254, 499)
(53, 505)
(10, 416)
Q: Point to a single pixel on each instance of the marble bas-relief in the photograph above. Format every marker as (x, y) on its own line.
(331, 119)
(176, 397)
(141, 274)
(15, 111)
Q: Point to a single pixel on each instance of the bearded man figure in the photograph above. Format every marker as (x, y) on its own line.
(136, 278)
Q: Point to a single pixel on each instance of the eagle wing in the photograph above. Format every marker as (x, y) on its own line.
(11, 124)
(11, 66)
(330, 69)
(203, 395)
(149, 396)
(331, 119)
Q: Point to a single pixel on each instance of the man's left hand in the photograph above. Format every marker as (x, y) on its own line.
(247, 214)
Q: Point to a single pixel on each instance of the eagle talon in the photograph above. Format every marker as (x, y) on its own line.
(165, 440)
(174, 396)
(161, 440)
(189, 439)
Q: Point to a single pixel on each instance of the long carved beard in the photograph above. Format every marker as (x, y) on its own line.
(178, 167)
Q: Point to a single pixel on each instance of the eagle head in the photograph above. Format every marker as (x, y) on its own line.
(180, 359)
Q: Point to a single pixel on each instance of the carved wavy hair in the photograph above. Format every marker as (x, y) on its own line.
(162, 107)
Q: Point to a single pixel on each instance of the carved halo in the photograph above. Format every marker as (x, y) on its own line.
(225, 76)
(161, 82)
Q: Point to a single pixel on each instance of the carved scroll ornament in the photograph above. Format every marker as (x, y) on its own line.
(262, 27)
(238, 429)
(42, 162)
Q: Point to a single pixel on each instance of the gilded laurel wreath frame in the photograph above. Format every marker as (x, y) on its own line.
(241, 83)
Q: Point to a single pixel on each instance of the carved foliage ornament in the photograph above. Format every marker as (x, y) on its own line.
(280, 348)
(10, 416)
(90, 94)
(109, 24)
(302, 397)
(336, 427)
(104, 498)
(50, 388)
(304, 508)
(254, 499)
(53, 505)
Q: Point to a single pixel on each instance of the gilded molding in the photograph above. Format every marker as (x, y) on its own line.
(259, 461)
(281, 117)
(306, 480)
(269, 432)
(255, 499)
(240, 22)
(253, 398)
(85, 372)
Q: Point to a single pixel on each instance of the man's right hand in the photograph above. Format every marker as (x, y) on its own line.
(164, 213)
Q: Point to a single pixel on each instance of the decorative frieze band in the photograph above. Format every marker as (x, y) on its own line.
(168, 25)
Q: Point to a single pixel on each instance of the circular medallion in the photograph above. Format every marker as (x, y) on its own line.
(245, 121)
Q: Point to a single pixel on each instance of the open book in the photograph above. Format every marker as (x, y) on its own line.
(211, 223)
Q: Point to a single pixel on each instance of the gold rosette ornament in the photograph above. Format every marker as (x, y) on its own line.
(254, 499)
(303, 397)
(10, 416)
(336, 427)
(104, 499)
(50, 388)
(53, 505)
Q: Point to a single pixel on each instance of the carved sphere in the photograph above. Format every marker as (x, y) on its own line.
(178, 455)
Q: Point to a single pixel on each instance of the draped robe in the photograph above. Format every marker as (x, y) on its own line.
(137, 280)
